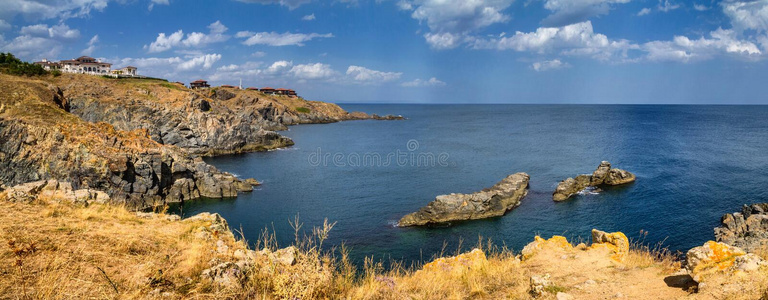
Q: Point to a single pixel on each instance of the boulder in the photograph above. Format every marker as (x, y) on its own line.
(603, 175)
(747, 229)
(555, 242)
(537, 285)
(492, 202)
(473, 259)
(714, 257)
(616, 242)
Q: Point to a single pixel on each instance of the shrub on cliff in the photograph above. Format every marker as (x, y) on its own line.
(11, 65)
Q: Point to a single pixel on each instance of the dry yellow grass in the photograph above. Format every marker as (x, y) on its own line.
(52, 250)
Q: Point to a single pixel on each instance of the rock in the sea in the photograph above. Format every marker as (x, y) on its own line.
(491, 202)
(603, 175)
(714, 257)
(747, 229)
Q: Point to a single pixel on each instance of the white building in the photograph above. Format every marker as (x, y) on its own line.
(85, 65)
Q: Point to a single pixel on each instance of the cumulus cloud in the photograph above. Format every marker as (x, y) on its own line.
(291, 4)
(91, 46)
(313, 71)
(566, 12)
(423, 83)
(169, 67)
(575, 39)
(644, 11)
(746, 15)
(201, 62)
(278, 39)
(309, 17)
(41, 41)
(4, 25)
(549, 65)
(165, 42)
(279, 67)
(452, 21)
(683, 49)
(367, 76)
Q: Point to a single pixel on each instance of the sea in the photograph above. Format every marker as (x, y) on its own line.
(693, 164)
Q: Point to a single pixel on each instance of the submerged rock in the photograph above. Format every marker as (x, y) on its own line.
(747, 229)
(603, 175)
(492, 202)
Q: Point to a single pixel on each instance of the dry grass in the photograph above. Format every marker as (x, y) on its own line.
(59, 251)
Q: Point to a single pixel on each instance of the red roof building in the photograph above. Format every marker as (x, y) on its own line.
(199, 84)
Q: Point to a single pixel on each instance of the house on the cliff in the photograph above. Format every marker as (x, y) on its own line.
(128, 71)
(199, 84)
(48, 65)
(85, 65)
(268, 90)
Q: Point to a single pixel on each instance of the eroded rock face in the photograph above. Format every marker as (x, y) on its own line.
(491, 202)
(747, 229)
(55, 191)
(39, 140)
(616, 242)
(714, 257)
(603, 175)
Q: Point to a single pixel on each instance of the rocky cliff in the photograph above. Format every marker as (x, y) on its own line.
(603, 175)
(40, 140)
(747, 229)
(206, 122)
(492, 202)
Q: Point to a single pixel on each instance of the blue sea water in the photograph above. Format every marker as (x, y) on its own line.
(693, 164)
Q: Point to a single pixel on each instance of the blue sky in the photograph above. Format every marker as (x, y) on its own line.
(420, 51)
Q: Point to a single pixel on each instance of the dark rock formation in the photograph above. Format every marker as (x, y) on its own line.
(747, 229)
(603, 175)
(491, 202)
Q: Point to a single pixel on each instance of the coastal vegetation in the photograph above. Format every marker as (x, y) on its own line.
(9, 64)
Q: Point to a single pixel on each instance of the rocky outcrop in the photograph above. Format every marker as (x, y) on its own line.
(39, 140)
(616, 242)
(714, 257)
(603, 175)
(212, 122)
(492, 202)
(53, 190)
(747, 229)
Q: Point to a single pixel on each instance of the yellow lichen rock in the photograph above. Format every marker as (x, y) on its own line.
(472, 259)
(555, 242)
(715, 257)
(616, 242)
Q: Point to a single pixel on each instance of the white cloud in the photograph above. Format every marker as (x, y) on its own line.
(700, 7)
(549, 65)
(643, 12)
(158, 2)
(291, 4)
(164, 42)
(367, 76)
(666, 6)
(91, 46)
(683, 49)
(404, 5)
(423, 83)
(309, 17)
(278, 39)
(567, 12)
(575, 39)
(445, 40)
(279, 67)
(200, 62)
(57, 32)
(34, 10)
(40, 41)
(259, 54)
(170, 67)
(459, 15)
(313, 71)
(747, 15)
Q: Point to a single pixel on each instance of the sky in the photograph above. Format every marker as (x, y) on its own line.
(420, 51)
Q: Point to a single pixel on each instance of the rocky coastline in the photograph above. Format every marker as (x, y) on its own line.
(141, 141)
(603, 175)
(491, 202)
(747, 229)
